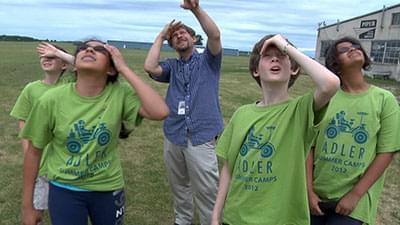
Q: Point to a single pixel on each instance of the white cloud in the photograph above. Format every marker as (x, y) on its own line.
(242, 22)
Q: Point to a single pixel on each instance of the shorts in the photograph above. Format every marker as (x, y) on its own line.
(41, 193)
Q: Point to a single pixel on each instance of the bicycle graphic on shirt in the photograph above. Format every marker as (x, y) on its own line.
(341, 125)
(254, 142)
(80, 136)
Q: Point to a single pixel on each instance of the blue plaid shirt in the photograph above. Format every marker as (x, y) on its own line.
(195, 83)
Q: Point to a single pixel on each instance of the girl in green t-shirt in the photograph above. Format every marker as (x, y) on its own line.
(81, 122)
(355, 144)
(53, 69)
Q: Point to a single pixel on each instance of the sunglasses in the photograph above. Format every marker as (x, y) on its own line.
(346, 49)
(97, 48)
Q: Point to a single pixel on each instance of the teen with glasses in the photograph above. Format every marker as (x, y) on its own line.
(355, 144)
(80, 122)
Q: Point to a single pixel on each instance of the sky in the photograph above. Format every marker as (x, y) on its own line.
(242, 23)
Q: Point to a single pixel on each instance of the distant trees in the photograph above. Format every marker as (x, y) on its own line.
(199, 39)
(16, 38)
(22, 38)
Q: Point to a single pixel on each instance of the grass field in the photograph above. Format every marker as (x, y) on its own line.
(148, 198)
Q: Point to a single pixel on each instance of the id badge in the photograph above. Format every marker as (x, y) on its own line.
(181, 108)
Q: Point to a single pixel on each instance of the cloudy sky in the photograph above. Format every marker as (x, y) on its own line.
(241, 22)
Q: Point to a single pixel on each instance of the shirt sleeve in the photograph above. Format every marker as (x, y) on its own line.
(166, 72)
(39, 125)
(308, 115)
(214, 61)
(224, 141)
(23, 105)
(228, 143)
(388, 134)
(131, 117)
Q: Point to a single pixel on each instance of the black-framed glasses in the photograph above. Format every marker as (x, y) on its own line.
(97, 48)
(346, 49)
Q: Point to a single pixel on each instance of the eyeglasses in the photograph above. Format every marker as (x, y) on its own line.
(97, 48)
(346, 49)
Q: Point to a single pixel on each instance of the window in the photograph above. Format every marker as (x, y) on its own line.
(387, 52)
(396, 19)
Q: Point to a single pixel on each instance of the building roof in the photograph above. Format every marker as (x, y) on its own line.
(358, 17)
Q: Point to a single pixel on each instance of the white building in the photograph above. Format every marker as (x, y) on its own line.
(379, 34)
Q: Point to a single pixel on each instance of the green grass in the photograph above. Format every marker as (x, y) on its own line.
(148, 198)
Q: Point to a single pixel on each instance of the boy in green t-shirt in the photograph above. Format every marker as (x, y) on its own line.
(355, 143)
(53, 69)
(265, 145)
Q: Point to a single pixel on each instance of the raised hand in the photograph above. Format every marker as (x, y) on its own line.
(117, 58)
(190, 4)
(278, 40)
(168, 28)
(46, 50)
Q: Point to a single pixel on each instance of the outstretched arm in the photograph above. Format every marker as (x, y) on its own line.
(375, 170)
(30, 216)
(151, 65)
(153, 106)
(326, 82)
(48, 50)
(223, 188)
(207, 24)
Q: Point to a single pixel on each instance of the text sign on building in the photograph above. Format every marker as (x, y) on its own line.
(367, 35)
(368, 23)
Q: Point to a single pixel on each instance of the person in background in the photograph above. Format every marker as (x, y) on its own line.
(53, 69)
(195, 120)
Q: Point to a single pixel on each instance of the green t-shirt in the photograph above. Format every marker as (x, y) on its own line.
(266, 148)
(356, 127)
(23, 106)
(82, 134)
(28, 98)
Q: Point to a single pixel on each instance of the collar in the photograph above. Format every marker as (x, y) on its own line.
(194, 55)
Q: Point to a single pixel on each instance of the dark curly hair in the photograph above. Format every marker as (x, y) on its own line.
(255, 60)
(331, 56)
